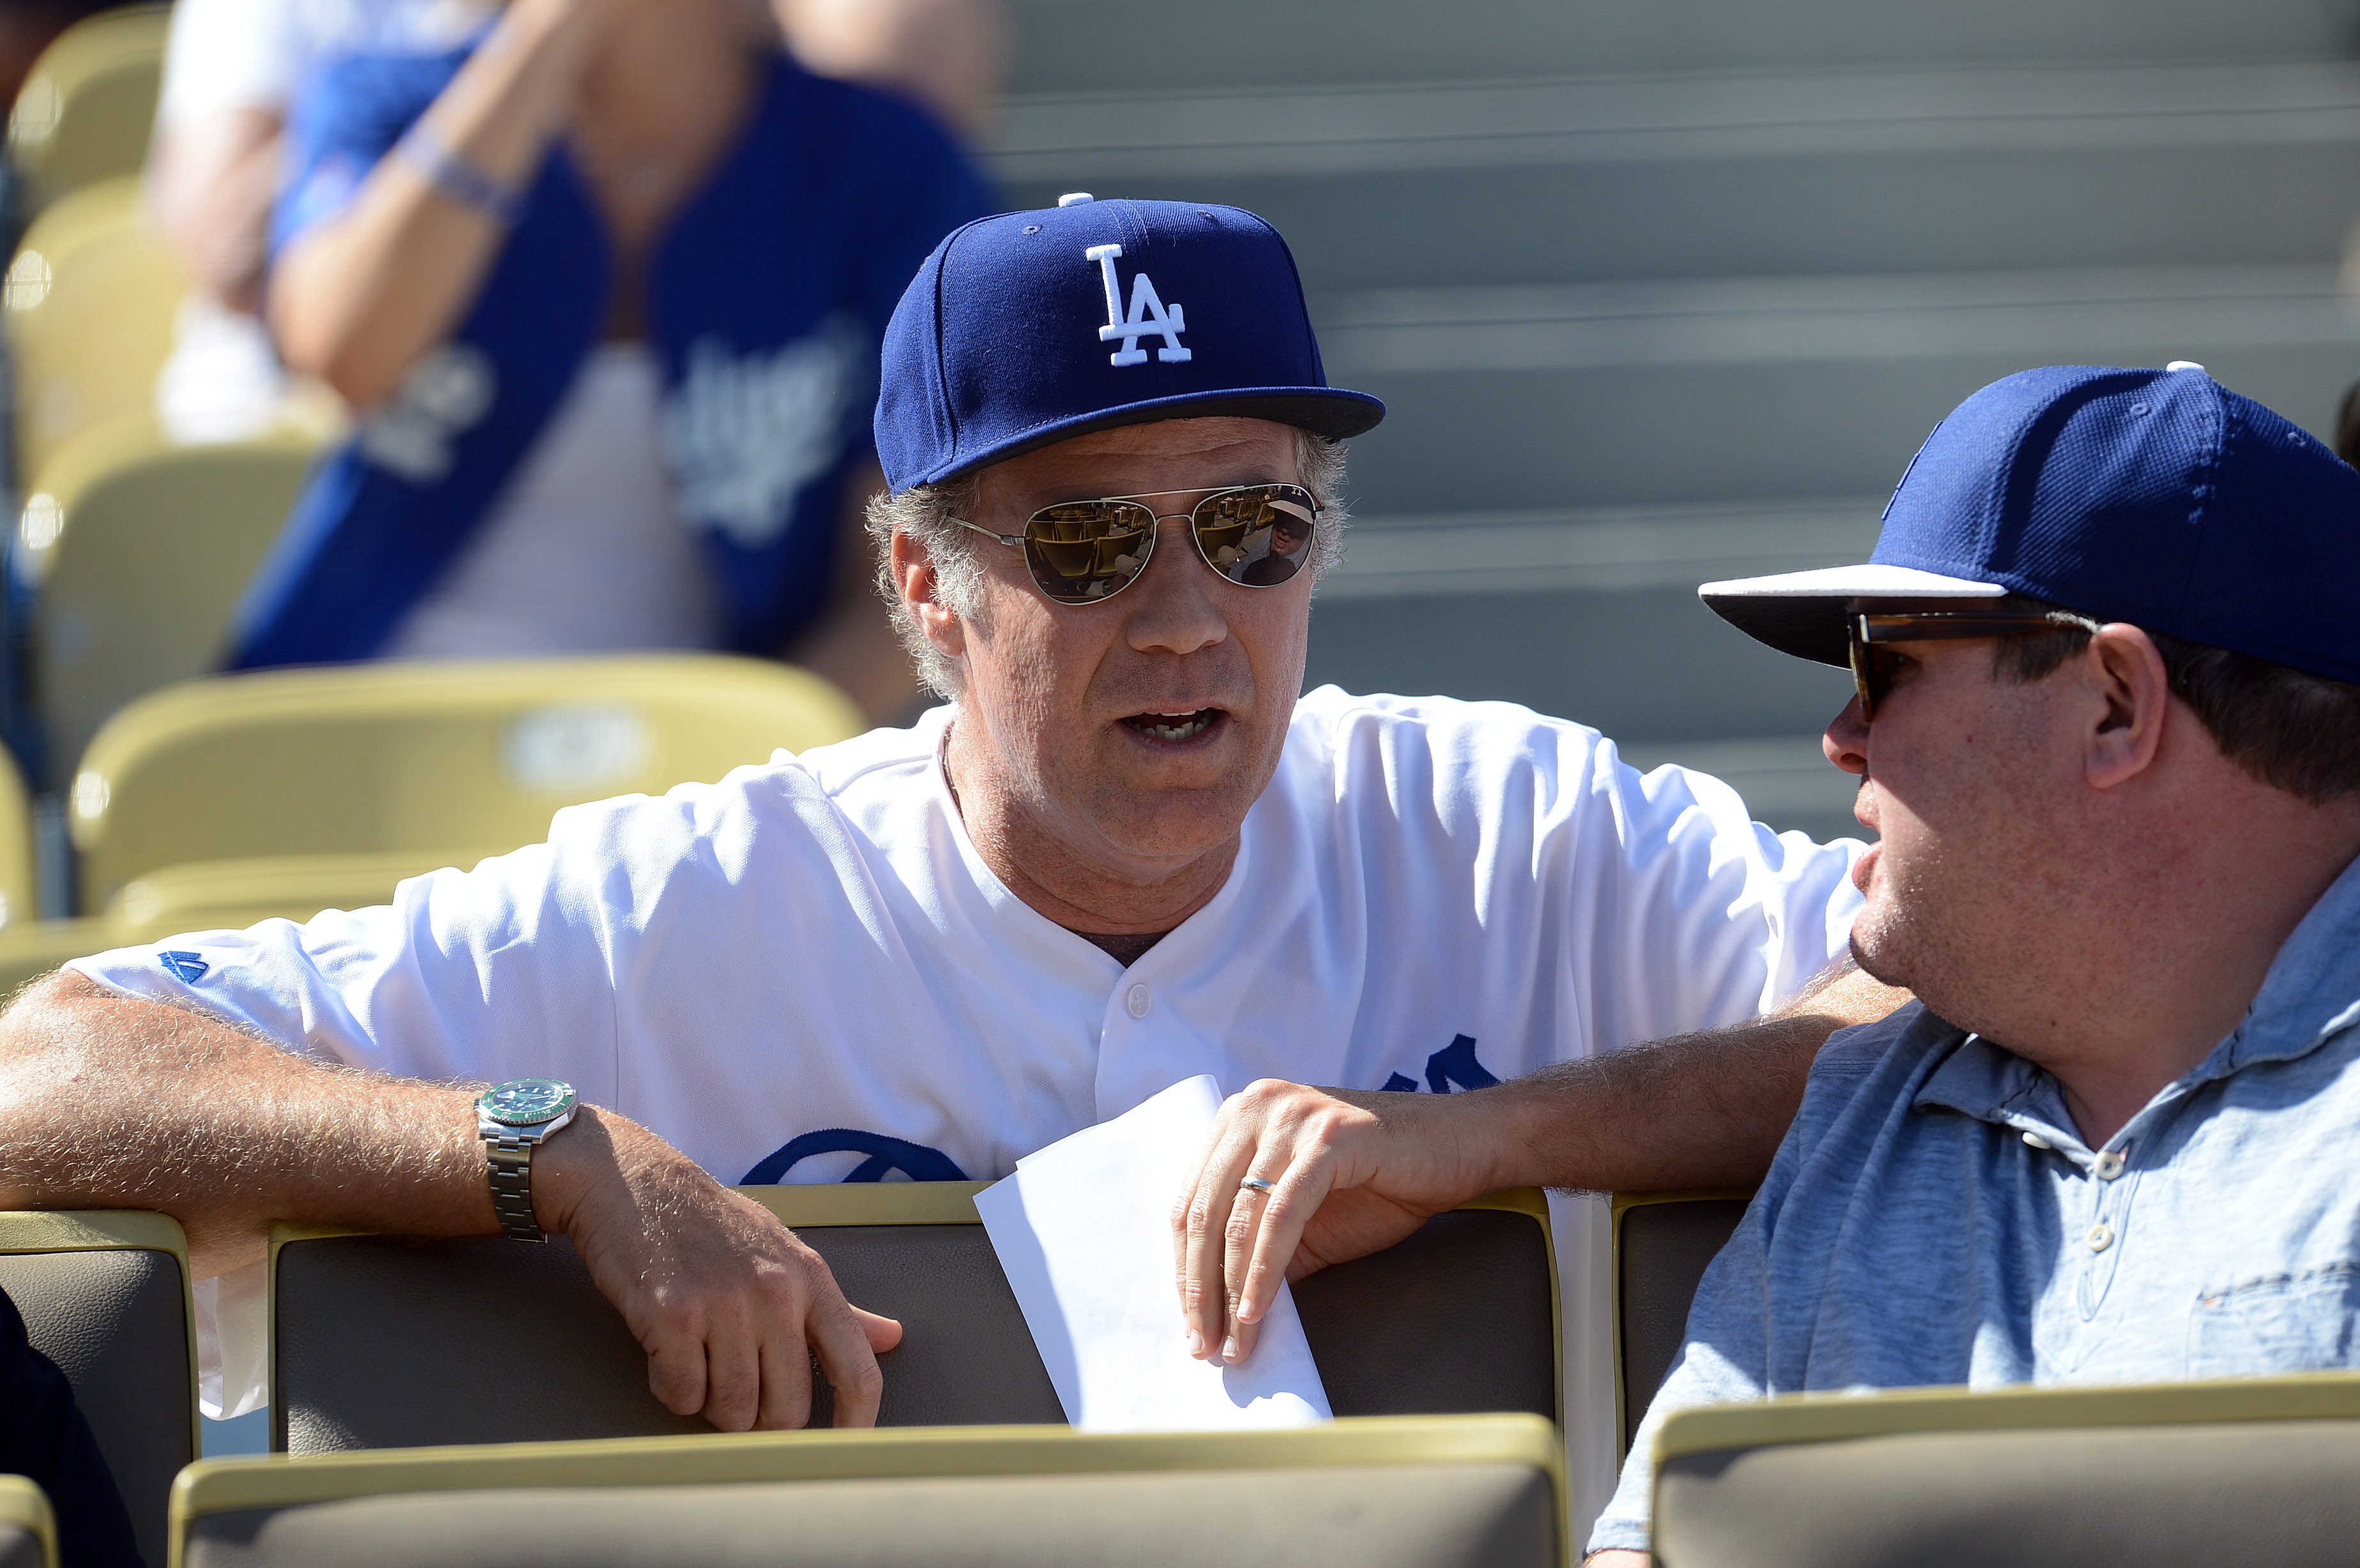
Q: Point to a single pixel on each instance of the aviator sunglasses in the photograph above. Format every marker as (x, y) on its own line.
(1873, 667)
(1257, 536)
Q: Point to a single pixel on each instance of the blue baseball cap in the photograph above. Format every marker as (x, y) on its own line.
(2159, 497)
(1030, 328)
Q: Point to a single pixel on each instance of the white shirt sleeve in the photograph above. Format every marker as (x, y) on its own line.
(1700, 916)
(229, 54)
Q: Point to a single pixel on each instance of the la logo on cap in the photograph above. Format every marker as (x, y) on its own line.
(1149, 317)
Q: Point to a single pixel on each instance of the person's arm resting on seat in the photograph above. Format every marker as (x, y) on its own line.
(109, 1101)
(1356, 1172)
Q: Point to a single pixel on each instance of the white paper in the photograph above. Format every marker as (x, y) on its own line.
(1084, 1233)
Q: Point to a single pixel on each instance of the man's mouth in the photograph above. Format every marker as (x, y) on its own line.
(1175, 728)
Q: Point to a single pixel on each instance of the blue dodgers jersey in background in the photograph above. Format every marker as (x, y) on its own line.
(768, 298)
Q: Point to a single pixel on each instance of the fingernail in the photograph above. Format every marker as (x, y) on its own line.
(1229, 1348)
(1196, 1342)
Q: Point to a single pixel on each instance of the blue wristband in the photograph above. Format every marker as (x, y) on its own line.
(454, 177)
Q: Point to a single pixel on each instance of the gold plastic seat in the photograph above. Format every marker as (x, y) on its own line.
(29, 1532)
(2260, 1469)
(1429, 1492)
(85, 110)
(139, 550)
(433, 760)
(92, 301)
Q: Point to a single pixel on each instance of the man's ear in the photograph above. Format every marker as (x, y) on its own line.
(913, 579)
(2127, 672)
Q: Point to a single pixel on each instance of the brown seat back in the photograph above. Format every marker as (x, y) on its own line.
(1662, 1244)
(105, 1295)
(389, 1342)
(2032, 1478)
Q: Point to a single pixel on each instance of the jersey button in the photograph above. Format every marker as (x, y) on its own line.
(2101, 1237)
(1138, 1001)
(2111, 1164)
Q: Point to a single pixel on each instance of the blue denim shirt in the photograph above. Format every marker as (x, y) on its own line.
(1934, 1218)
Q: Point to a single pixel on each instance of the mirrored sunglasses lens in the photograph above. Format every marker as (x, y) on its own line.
(1261, 537)
(1083, 551)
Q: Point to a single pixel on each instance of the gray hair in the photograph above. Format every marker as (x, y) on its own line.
(928, 514)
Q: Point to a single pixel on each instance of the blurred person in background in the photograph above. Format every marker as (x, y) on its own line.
(233, 67)
(604, 284)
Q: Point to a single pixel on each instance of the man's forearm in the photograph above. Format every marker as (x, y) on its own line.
(1700, 1110)
(108, 1101)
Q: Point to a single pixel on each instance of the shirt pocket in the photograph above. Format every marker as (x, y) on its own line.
(2282, 1323)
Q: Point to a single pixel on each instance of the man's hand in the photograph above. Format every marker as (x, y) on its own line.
(1351, 1174)
(724, 1298)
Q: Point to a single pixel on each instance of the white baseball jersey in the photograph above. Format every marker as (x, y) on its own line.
(806, 973)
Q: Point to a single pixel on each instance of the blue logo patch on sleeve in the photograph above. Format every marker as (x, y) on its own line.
(187, 965)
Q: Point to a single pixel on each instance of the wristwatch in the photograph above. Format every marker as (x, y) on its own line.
(513, 1120)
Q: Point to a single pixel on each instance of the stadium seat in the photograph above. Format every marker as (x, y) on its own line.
(91, 298)
(31, 948)
(85, 109)
(392, 1340)
(1420, 1493)
(16, 896)
(105, 1295)
(29, 1535)
(2033, 1477)
(1662, 1243)
(230, 894)
(133, 554)
(427, 759)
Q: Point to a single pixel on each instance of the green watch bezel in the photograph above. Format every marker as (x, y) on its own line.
(526, 1102)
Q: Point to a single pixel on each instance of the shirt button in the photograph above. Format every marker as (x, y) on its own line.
(2111, 1163)
(1138, 1001)
(2036, 1141)
(2101, 1237)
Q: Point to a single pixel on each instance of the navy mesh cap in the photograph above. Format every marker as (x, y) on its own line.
(1029, 328)
(2159, 497)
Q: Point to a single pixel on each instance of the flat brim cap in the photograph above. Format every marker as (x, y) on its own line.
(1030, 328)
(1802, 612)
(2156, 498)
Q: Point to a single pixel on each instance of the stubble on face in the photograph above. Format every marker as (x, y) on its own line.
(1969, 888)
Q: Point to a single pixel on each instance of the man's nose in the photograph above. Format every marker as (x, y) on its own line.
(1845, 742)
(1173, 606)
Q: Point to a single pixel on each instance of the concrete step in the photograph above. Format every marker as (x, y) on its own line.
(1066, 45)
(1578, 179)
(1590, 614)
(1731, 390)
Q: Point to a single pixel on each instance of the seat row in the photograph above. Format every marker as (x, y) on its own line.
(473, 1401)
(226, 801)
(385, 1352)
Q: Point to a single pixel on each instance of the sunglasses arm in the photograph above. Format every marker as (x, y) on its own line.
(1003, 539)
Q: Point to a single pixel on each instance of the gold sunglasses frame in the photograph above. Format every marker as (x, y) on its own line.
(1310, 516)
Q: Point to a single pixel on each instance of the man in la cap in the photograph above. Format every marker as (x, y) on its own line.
(1125, 854)
(2108, 726)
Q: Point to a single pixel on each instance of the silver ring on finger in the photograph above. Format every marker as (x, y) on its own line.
(1256, 1184)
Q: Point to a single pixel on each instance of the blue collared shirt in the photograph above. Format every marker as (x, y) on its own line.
(1934, 1218)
